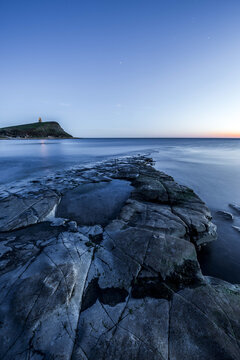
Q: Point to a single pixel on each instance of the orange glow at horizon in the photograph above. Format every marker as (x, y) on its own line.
(199, 135)
(216, 134)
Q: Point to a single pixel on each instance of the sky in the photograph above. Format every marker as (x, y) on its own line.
(122, 68)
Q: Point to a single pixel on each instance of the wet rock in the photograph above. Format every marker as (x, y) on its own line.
(198, 222)
(57, 221)
(214, 314)
(237, 228)
(225, 215)
(72, 226)
(117, 277)
(4, 248)
(121, 335)
(94, 230)
(108, 296)
(19, 211)
(235, 207)
(40, 297)
(150, 189)
(95, 233)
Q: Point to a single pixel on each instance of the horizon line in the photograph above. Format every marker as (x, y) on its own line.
(161, 137)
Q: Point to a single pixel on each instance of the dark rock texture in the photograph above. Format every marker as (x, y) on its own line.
(128, 288)
(26, 209)
(225, 215)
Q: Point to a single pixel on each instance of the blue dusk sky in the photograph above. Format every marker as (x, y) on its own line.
(122, 68)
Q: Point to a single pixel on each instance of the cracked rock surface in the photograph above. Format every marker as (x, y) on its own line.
(117, 276)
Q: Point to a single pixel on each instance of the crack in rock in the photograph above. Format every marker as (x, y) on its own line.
(108, 296)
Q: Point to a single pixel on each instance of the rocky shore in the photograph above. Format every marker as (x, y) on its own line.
(101, 263)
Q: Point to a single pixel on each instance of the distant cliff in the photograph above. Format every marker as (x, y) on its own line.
(48, 129)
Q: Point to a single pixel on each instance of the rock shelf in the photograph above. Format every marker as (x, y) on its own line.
(101, 263)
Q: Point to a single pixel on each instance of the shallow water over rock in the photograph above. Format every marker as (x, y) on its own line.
(94, 203)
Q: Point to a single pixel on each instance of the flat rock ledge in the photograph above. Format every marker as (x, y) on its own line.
(121, 281)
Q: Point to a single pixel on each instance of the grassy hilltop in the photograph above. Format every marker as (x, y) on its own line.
(48, 129)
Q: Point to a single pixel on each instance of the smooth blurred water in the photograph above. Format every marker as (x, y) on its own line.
(21, 159)
(212, 169)
(209, 166)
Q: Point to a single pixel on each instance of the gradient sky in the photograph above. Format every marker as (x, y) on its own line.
(115, 68)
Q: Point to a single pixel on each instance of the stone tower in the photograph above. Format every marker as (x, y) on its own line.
(40, 119)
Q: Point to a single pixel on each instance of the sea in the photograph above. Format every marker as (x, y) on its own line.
(211, 167)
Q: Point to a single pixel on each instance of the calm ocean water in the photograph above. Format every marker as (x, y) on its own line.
(209, 166)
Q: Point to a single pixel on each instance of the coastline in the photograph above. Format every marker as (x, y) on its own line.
(132, 269)
(41, 138)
